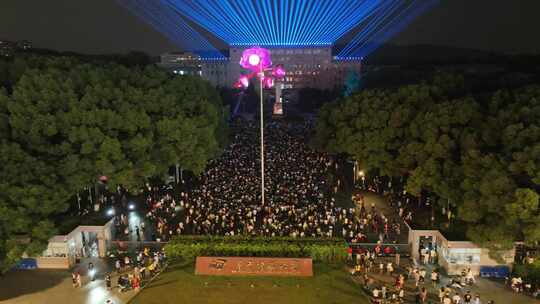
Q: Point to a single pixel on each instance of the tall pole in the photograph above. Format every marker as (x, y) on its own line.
(177, 175)
(261, 76)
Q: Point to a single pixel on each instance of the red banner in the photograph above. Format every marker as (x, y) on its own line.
(240, 266)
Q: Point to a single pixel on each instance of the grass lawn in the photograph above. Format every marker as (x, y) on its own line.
(330, 284)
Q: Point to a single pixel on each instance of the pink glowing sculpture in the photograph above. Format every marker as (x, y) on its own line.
(268, 82)
(279, 71)
(256, 59)
(244, 81)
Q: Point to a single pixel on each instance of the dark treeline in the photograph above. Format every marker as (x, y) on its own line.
(65, 121)
(478, 152)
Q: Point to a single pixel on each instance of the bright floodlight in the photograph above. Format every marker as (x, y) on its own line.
(131, 206)
(110, 212)
(254, 59)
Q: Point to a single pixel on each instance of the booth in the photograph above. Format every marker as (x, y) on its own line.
(64, 251)
(455, 256)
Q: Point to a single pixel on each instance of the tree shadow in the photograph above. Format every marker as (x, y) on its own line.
(159, 284)
(21, 282)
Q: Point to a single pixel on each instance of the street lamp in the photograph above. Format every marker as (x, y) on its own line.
(257, 60)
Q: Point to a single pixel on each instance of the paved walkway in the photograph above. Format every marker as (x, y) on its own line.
(381, 205)
(487, 289)
(55, 286)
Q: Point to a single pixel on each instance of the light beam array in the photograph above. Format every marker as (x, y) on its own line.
(158, 14)
(389, 19)
(279, 23)
(276, 22)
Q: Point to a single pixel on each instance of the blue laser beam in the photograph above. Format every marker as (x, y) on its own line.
(386, 23)
(158, 15)
(289, 23)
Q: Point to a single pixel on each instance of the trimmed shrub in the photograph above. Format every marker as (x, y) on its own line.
(320, 250)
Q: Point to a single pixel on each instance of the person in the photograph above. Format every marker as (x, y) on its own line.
(91, 271)
(442, 293)
(456, 299)
(425, 256)
(416, 276)
(418, 297)
(123, 283)
(135, 283)
(422, 274)
(477, 300)
(434, 278)
(469, 278)
(108, 281)
(400, 281)
(79, 280)
(74, 279)
(376, 293)
(390, 268)
(467, 298)
(357, 269)
(423, 295)
(433, 256)
(137, 232)
(151, 269)
(447, 300)
(455, 283)
(143, 273)
(118, 266)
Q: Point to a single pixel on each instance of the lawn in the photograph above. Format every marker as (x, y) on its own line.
(330, 284)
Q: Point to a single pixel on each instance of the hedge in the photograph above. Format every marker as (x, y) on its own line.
(320, 250)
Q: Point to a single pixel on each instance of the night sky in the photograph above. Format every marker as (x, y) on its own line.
(102, 26)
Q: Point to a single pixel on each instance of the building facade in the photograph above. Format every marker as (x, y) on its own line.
(306, 67)
(181, 63)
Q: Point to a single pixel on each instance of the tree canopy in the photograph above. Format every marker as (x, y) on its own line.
(480, 153)
(65, 123)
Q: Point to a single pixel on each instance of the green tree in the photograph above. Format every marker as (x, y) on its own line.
(482, 155)
(69, 122)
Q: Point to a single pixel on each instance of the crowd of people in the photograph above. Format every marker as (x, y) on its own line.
(132, 271)
(424, 279)
(300, 184)
(389, 281)
(130, 268)
(226, 198)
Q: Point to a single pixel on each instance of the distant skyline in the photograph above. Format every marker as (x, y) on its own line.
(103, 26)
